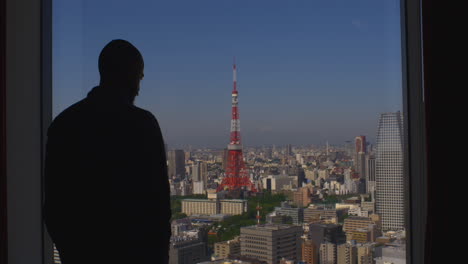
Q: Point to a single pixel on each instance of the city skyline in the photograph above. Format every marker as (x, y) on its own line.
(308, 72)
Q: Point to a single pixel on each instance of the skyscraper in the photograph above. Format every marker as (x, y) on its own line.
(200, 172)
(389, 172)
(288, 151)
(370, 175)
(359, 156)
(176, 166)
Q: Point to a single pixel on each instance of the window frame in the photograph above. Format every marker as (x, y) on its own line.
(38, 28)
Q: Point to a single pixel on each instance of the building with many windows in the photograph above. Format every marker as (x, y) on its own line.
(271, 242)
(389, 175)
(347, 253)
(187, 250)
(393, 255)
(176, 163)
(365, 253)
(328, 253)
(370, 175)
(214, 206)
(223, 249)
(309, 251)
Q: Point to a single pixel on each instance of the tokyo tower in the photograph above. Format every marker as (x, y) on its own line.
(237, 176)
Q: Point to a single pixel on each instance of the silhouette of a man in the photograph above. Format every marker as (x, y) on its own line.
(107, 191)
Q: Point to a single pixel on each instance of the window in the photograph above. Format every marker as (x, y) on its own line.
(294, 149)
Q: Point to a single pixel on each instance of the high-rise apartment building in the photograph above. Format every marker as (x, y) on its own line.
(271, 242)
(347, 253)
(364, 253)
(328, 253)
(176, 166)
(389, 175)
(309, 252)
(301, 197)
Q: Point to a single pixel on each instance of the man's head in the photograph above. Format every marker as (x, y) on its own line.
(121, 67)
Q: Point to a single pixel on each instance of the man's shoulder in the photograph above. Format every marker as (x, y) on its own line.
(143, 114)
(71, 112)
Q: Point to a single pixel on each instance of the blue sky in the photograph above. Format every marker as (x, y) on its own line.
(308, 71)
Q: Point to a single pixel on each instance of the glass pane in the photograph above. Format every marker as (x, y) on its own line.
(282, 120)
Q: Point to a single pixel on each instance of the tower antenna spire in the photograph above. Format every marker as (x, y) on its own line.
(237, 175)
(234, 74)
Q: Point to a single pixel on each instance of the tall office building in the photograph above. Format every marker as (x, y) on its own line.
(288, 151)
(389, 175)
(360, 156)
(200, 172)
(370, 176)
(271, 242)
(176, 166)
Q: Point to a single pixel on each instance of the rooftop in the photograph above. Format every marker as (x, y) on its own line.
(269, 227)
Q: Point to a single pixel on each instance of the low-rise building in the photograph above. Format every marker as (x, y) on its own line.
(271, 242)
(223, 249)
(200, 206)
(214, 206)
(313, 213)
(296, 214)
(187, 250)
(361, 229)
(394, 254)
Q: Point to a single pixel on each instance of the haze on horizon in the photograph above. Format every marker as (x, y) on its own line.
(308, 71)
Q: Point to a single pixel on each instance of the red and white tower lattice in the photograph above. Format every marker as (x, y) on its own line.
(237, 175)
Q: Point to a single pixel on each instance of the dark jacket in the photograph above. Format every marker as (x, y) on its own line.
(106, 185)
